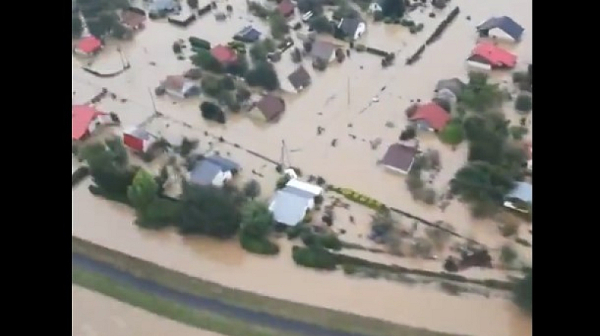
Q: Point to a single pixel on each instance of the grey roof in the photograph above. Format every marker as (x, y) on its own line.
(158, 5)
(322, 50)
(205, 171)
(522, 191)
(508, 25)
(455, 85)
(289, 208)
(349, 26)
(299, 78)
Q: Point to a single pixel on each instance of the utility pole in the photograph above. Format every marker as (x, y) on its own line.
(284, 154)
(152, 100)
(348, 91)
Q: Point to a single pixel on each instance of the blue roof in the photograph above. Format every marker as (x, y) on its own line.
(522, 191)
(205, 171)
(249, 34)
(508, 25)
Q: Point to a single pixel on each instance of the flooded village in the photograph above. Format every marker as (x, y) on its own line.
(368, 157)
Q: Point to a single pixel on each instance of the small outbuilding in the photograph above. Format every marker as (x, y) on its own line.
(270, 108)
(487, 56)
(400, 158)
(502, 27)
(180, 87)
(248, 34)
(430, 117)
(214, 170)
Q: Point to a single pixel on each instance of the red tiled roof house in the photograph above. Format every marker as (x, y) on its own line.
(286, 8)
(85, 119)
(487, 56)
(88, 46)
(138, 139)
(430, 117)
(224, 54)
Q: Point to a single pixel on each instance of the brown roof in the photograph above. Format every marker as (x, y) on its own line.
(400, 156)
(286, 7)
(174, 83)
(322, 49)
(433, 114)
(299, 78)
(271, 106)
(132, 19)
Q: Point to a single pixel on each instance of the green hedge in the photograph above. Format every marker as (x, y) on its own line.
(198, 43)
(314, 257)
(258, 246)
(329, 241)
(79, 175)
(296, 231)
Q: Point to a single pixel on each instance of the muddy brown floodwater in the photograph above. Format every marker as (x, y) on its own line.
(94, 314)
(340, 96)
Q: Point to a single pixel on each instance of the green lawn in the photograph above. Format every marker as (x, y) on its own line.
(315, 315)
(198, 318)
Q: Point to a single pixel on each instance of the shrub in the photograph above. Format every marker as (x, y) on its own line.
(79, 175)
(429, 196)
(519, 77)
(349, 268)
(211, 86)
(378, 16)
(318, 199)
(226, 83)
(408, 133)
(452, 134)
(176, 47)
(212, 112)
(282, 181)
(314, 257)
(508, 255)
(523, 103)
(518, 132)
(161, 213)
(360, 47)
(198, 43)
(411, 110)
(296, 231)
(258, 246)
(330, 241)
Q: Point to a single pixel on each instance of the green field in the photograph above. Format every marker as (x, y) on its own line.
(314, 315)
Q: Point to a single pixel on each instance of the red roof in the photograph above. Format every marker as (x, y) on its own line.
(495, 55)
(82, 116)
(433, 114)
(89, 44)
(224, 54)
(286, 7)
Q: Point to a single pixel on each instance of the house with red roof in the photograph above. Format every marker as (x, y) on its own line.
(138, 139)
(88, 46)
(430, 117)
(286, 8)
(488, 56)
(224, 54)
(85, 120)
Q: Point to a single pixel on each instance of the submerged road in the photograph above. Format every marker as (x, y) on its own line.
(203, 303)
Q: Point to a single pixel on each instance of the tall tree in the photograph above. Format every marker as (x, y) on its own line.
(279, 26)
(257, 220)
(252, 189)
(393, 8)
(143, 191)
(210, 211)
(76, 26)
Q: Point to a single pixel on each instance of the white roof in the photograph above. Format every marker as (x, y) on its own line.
(308, 187)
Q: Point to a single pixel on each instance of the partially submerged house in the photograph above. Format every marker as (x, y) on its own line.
(502, 27)
(454, 85)
(376, 6)
(430, 117)
(248, 34)
(520, 198)
(138, 139)
(88, 46)
(352, 28)
(400, 158)
(224, 54)
(323, 50)
(487, 56)
(85, 120)
(180, 87)
(269, 108)
(182, 18)
(286, 8)
(133, 19)
(290, 204)
(213, 170)
(297, 81)
(160, 8)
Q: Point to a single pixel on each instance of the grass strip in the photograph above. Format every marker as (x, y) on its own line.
(203, 319)
(328, 318)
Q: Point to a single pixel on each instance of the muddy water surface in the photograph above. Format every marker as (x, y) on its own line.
(94, 314)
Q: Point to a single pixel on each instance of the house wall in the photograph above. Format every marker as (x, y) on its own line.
(361, 29)
(257, 115)
(479, 66)
(175, 93)
(396, 170)
(133, 142)
(222, 178)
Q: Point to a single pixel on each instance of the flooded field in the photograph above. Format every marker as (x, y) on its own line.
(340, 100)
(94, 314)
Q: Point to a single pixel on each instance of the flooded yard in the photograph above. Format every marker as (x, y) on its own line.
(94, 314)
(340, 100)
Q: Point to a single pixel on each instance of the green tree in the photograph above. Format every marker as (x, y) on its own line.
(269, 44)
(479, 95)
(263, 75)
(76, 26)
(143, 190)
(321, 25)
(205, 60)
(523, 103)
(258, 52)
(240, 67)
(452, 134)
(393, 8)
(252, 189)
(481, 182)
(210, 211)
(382, 222)
(279, 26)
(211, 86)
(523, 291)
(108, 168)
(227, 83)
(257, 220)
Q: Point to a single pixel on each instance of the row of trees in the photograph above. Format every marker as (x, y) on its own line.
(206, 210)
(101, 17)
(494, 163)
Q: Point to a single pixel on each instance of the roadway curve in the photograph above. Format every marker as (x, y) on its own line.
(197, 302)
